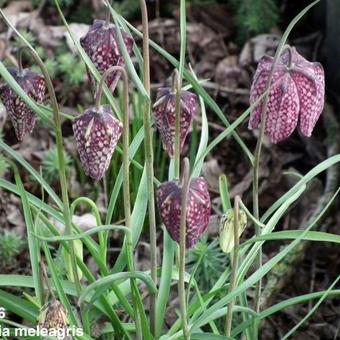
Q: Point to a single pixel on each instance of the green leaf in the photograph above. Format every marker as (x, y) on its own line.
(107, 281)
(32, 171)
(19, 306)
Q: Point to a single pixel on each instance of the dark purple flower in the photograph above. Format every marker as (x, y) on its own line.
(101, 44)
(198, 209)
(97, 133)
(297, 95)
(22, 117)
(165, 116)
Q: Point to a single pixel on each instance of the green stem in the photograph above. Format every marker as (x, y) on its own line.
(33, 245)
(256, 169)
(118, 327)
(176, 87)
(149, 161)
(126, 181)
(185, 181)
(108, 15)
(61, 161)
(233, 278)
(95, 211)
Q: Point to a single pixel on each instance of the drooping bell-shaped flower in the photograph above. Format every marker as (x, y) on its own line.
(198, 209)
(97, 133)
(296, 96)
(22, 117)
(165, 116)
(101, 44)
(53, 316)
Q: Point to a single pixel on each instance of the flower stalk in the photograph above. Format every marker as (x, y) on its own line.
(185, 181)
(256, 169)
(61, 160)
(149, 160)
(126, 181)
(235, 261)
(176, 86)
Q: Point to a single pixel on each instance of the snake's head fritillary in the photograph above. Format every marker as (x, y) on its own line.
(296, 97)
(101, 44)
(198, 209)
(22, 117)
(97, 133)
(165, 116)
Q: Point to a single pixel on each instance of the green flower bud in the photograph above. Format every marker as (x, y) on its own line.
(227, 229)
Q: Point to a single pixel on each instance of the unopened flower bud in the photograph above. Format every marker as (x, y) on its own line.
(101, 44)
(22, 117)
(227, 229)
(97, 133)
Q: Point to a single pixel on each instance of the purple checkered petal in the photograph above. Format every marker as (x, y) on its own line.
(297, 94)
(198, 209)
(101, 44)
(97, 134)
(283, 110)
(165, 116)
(311, 89)
(22, 117)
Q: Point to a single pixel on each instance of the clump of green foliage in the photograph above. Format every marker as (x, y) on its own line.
(36, 3)
(208, 262)
(11, 245)
(69, 67)
(255, 16)
(50, 165)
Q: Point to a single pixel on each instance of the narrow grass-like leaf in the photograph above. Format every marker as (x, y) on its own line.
(58, 287)
(224, 193)
(33, 172)
(137, 221)
(317, 236)
(83, 235)
(107, 281)
(19, 306)
(304, 180)
(203, 141)
(285, 304)
(33, 200)
(250, 257)
(165, 281)
(128, 62)
(89, 64)
(134, 146)
(261, 272)
(312, 310)
(33, 244)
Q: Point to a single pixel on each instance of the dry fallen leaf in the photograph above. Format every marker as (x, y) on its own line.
(211, 172)
(257, 47)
